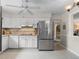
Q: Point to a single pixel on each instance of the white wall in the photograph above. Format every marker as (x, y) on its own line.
(73, 41)
(69, 41)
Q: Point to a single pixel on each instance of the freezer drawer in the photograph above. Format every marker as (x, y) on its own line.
(46, 45)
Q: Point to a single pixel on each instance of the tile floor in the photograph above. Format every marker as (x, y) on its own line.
(35, 54)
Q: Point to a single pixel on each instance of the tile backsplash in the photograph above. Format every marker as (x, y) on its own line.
(19, 31)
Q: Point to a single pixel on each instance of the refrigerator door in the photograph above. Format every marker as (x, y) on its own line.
(43, 32)
(46, 45)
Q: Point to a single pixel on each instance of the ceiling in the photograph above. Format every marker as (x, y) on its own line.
(47, 7)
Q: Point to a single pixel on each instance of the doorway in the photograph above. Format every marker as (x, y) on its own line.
(57, 32)
(57, 36)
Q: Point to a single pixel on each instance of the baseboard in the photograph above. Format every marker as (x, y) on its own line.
(70, 50)
(63, 46)
(73, 52)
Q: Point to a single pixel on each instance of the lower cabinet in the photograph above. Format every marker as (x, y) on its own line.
(23, 42)
(4, 43)
(27, 42)
(18, 42)
(34, 43)
(13, 41)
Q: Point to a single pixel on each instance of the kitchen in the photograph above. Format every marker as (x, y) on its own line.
(23, 37)
(20, 33)
(28, 29)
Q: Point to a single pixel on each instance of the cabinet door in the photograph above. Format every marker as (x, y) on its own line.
(29, 38)
(22, 42)
(13, 42)
(26, 41)
(34, 42)
(4, 42)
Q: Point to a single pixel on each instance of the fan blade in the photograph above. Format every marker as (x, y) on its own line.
(26, 1)
(21, 11)
(29, 11)
(33, 7)
(15, 6)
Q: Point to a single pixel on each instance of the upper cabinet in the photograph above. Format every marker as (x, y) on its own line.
(17, 22)
(11, 23)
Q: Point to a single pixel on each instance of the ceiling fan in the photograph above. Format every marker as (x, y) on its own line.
(24, 7)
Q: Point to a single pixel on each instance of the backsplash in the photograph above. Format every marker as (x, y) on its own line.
(19, 31)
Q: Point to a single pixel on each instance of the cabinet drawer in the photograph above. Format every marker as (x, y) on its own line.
(45, 44)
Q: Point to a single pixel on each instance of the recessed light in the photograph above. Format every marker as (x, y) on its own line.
(47, 22)
(30, 25)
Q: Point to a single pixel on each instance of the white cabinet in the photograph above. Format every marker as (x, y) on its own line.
(4, 42)
(11, 23)
(13, 41)
(17, 22)
(27, 42)
(29, 38)
(23, 43)
(31, 41)
(35, 42)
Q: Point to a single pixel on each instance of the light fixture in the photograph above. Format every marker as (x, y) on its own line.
(23, 25)
(30, 25)
(76, 1)
(70, 7)
(47, 22)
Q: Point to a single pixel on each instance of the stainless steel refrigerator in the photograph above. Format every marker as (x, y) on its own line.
(45, 36)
